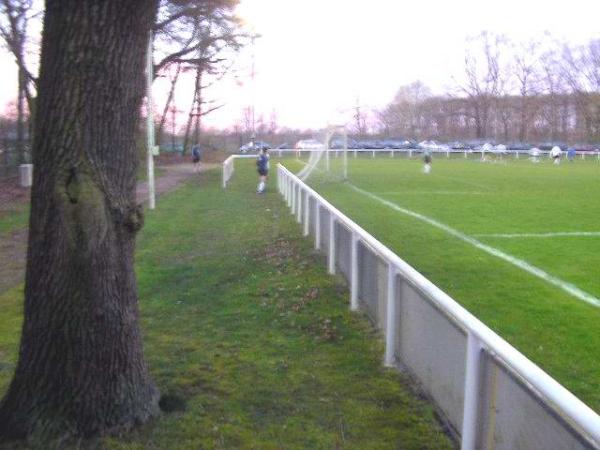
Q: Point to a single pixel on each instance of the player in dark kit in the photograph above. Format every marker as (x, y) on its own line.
(427, 161)
(262, 165)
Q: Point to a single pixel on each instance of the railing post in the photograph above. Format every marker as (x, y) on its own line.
(317, 225)
(299, 205)
(288, 180)
(471, 402)
(390, 325)
(354, 273)
(331, 258)
(306, 214)
(294, 198)
(279, 181)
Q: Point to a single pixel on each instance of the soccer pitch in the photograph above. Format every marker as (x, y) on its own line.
(516, 243)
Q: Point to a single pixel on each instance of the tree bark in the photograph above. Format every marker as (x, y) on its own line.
(81, 370)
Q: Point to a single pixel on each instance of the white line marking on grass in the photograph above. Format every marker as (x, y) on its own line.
(433, 193)
(541, 235)
(524, 265)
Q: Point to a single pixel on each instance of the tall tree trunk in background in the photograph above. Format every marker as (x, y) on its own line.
(20, 143)
(81, 369)
(194, 109)
(170, 99)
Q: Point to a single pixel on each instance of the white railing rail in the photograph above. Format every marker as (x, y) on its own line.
(410, 152)
(228, 167)
(581, 424)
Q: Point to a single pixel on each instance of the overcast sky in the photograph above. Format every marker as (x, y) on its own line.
(316, 58)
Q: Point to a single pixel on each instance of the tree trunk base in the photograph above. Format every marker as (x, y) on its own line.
(42, 427)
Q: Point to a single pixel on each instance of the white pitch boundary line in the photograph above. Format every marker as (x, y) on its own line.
(434, 193)
(565, 286)
(541, 235)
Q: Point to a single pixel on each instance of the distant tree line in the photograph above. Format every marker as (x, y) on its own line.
(541, 90)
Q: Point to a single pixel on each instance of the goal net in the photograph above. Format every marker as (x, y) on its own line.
(328, 162)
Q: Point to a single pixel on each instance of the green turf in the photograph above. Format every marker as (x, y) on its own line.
(14, 219)
(553, 328)
(242, 322)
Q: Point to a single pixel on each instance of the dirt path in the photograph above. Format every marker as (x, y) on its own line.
(175, 174)
(13, 246)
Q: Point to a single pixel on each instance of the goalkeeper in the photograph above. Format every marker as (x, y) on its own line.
(262, 165)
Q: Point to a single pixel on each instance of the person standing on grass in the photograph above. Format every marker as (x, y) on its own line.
(571, 154)
(555, 154)
(196, 157)
(427, 160)
(262, 165)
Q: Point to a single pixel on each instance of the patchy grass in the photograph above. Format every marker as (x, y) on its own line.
(249, 340)
(14, 218)
(11, 317)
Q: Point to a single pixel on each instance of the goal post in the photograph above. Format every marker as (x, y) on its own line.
(321, 164)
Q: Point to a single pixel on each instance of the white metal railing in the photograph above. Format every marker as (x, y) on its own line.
(552, 416)
(228, 167)
(517, 154)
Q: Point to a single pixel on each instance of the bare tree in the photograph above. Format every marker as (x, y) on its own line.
(581, 72)
(405, 115)
(360, 120)
(526, 71)
(199, 37)
(14, 19)
(483, 70)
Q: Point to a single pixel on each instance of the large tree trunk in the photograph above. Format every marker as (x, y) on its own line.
(81, 369)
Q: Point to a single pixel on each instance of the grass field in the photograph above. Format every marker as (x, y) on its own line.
(249, 338)
(452, 224)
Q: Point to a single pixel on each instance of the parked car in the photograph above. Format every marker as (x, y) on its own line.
(519, 146)
(309, 144)
(254, 146)
(500, 149)
(338, 143)
(396, 143)
(458, 145)
(433, 145)
(550, 145)
(586, 147)
(486, 147)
